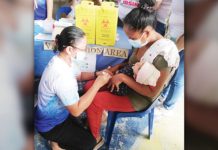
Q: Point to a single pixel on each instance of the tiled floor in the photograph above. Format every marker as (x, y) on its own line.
(168, 131)
(131, 133)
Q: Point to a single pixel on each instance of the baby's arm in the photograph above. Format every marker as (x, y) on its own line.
(116, 67)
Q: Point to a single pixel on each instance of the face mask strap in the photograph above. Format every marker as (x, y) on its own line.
(141, 35)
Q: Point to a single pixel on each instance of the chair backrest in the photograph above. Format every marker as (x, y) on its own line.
(173, 74)
(62, 10)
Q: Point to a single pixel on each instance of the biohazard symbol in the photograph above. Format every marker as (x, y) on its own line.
(85, 22)
(105, 23)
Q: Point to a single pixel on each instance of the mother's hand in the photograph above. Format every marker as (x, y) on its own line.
(115, 81)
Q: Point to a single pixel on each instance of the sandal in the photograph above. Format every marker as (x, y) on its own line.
(99, 144)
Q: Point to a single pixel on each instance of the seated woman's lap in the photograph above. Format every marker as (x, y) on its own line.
(90, 83)
(104, 100)
(111, 102)
(108, 101)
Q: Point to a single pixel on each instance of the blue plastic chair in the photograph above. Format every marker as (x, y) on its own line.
(113, 116)
(62, 10)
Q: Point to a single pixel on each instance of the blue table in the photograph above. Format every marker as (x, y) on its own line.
(42, 57)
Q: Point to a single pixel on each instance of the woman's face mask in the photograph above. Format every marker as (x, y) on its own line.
(80, 54)
(79, 50)
(137, 43)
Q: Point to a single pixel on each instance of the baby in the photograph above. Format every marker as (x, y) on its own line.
(143, 72)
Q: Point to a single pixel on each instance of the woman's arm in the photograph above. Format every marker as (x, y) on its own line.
(157, 5)
(92, 75)
(49, 9)
(86, 76)
(85, 100)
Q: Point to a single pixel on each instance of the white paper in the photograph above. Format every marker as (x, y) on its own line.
(69, 21)
(57, 30)
(41, 36)
(46, 25)
(39, 22)
(63, 23)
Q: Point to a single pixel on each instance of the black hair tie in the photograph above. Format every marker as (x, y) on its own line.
(146, 7)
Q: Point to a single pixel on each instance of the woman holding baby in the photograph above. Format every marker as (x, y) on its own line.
(153, 59)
